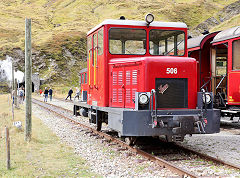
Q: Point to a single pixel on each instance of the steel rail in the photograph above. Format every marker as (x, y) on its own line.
(210, 158)
(201, 155)
(159, 161)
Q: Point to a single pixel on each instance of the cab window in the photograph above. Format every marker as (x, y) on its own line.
(167, 42)
(94, 47)
(89, 47)
(100, 42)
(127, 41)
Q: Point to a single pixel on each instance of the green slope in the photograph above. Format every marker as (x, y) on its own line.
(62, 24)
(53, 18)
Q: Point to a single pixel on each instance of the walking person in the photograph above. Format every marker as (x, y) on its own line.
(70, 92)
(21, 95)
(24, 93)
(77, 93)
(13, 91)
(45, 94)
(50, 92)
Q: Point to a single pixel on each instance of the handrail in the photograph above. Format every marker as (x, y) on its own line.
(220, 81)
(206, 83)
(95, 59)
(89, 67)
(154, 116)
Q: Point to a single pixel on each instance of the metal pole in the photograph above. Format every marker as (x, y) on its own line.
(28, 80)
(8, 147)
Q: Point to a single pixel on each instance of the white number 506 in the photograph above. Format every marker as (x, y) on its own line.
(171, 71)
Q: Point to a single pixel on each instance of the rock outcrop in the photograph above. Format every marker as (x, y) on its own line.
(225, 14)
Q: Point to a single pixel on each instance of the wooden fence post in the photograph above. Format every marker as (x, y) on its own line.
(15, 93)
(12, 79)
(8, 147)
(12, 111)
(12, 92)
(28, 80)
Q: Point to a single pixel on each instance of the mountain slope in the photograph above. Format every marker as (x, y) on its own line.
(59, 26)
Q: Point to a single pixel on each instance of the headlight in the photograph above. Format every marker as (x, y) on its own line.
(143, 98)
(149, 18)
(208, 98)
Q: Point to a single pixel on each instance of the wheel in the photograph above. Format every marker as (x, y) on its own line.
(99, 124)
(130, 140)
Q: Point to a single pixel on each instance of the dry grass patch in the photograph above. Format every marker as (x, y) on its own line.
(44, 156)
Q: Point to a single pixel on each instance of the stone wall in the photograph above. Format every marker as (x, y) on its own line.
(36, 81)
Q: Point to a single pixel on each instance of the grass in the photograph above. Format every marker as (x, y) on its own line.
(53, 19)
(44, 156)
(233, 22)
(62, 24)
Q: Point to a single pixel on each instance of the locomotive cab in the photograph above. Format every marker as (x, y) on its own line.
(141, 82)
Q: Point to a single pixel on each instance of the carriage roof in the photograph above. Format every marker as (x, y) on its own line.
(227, 34)
(195, 42)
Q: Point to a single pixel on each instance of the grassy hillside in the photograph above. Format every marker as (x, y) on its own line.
(235, 21)
(59, 25)
(55, 20)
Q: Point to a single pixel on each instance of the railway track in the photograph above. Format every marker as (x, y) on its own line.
(144, 151)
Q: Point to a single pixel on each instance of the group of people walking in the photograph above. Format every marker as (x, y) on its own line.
(49, 93)
(70, 92)
(46, 93)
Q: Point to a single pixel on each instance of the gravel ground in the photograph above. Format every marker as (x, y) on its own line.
(224, 145)
(111, 163)
(102, 157)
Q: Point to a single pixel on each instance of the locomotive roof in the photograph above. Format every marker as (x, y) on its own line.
(139, 23)
(227, 34)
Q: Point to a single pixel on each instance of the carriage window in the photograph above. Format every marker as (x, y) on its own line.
(236, 55)
(167, 42)
(82, 79)
(85, 76)
(100, 42)
(127, 41)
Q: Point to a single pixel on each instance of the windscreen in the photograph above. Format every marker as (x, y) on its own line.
(167, 42)
(127, 41)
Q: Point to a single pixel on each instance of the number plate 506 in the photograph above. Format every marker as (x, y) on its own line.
(171, 71)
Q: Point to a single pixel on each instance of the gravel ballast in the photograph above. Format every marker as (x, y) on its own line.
(102, 157)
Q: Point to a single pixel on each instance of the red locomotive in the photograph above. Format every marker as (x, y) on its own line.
(141, 82)
(219, 67)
